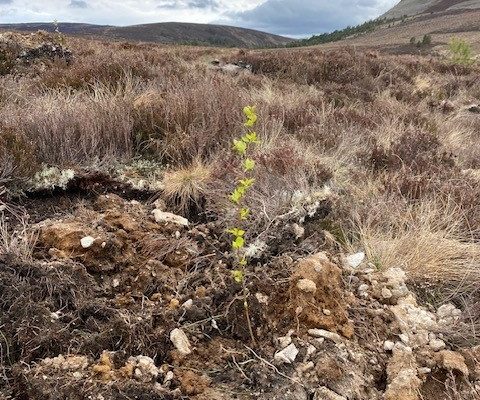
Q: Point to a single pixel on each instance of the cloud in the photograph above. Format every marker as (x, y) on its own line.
(287, 17)
(178, 4)
(78, 4)
(308, 17)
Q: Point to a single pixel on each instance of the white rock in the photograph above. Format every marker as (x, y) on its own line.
(387, 293)
(307, 286)
(180, 341)
(321, 333)
(354, 260)
(388, 345)
(404, 338)
(363, 288)
(166, 217)
(437, 344)
(287, 355)
(145, 369)
(327, 312)
(188, 304)
(87, 242)
(424, 370)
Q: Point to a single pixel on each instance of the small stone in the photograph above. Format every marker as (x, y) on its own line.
(388, 345)
(437, 344)
(168, 377)
(262, 298)
(299, 231)
(188, 304)
(285, 341)
(363, 288)
(287, 355)
(178, 235)
(166, 217)
(327, 312)
(180, 341)
(355, 260)
(321, 333)
(474, 108)
(387, 293)
(87, 242)
(307, 286)
(424, 371)
(454, 361)
(404, 338)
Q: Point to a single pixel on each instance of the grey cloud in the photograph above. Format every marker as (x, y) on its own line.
(308, 17)
(177, 4)
(78, 4)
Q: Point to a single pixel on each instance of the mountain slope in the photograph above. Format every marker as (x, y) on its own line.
(415, 7)
(168, 32)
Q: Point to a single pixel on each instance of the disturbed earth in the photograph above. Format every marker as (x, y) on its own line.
(126, 300)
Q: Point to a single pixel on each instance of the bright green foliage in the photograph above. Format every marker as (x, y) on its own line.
(241, 148)
(461, 52)
(248, 164)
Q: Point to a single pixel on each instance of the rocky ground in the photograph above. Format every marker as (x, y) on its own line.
(124, 300)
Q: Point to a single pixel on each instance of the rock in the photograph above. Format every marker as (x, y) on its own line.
(403, 382)
(448, 314)
(474, 108)
(316, 285)
(325, 393)
(321, 333)
(180, 341)
(286, 340)
(387, 293)
(363, 288)
(307, 286)
(87, 242)
(453, 361)
(298, 231)
(144, 369)
(287, 355)
(388, 345)
(437, 344)
(166, 217)
(354, 260)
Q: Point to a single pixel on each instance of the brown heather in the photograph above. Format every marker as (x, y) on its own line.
(404, 170)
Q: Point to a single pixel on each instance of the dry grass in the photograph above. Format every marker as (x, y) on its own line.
(186, 187)
(404, 171)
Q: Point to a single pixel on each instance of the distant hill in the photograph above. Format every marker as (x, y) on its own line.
(416, 7)
(167, 32)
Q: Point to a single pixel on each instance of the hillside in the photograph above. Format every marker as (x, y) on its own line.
(168, 32)
(416, 7)
(394, 37)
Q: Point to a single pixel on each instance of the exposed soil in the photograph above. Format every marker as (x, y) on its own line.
(95, 322)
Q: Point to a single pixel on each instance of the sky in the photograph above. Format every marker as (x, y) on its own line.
(296, 18)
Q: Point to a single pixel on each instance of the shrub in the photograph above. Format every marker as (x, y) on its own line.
(461, 52)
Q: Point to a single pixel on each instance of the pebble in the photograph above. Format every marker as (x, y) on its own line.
(87, 242)
(327, 312)
(287, 355)
(180, 341)
(437, 344)
(363, 288)
(388, 345)
(307, 286)
(321, 333)
(387, 293)
(355, 260)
